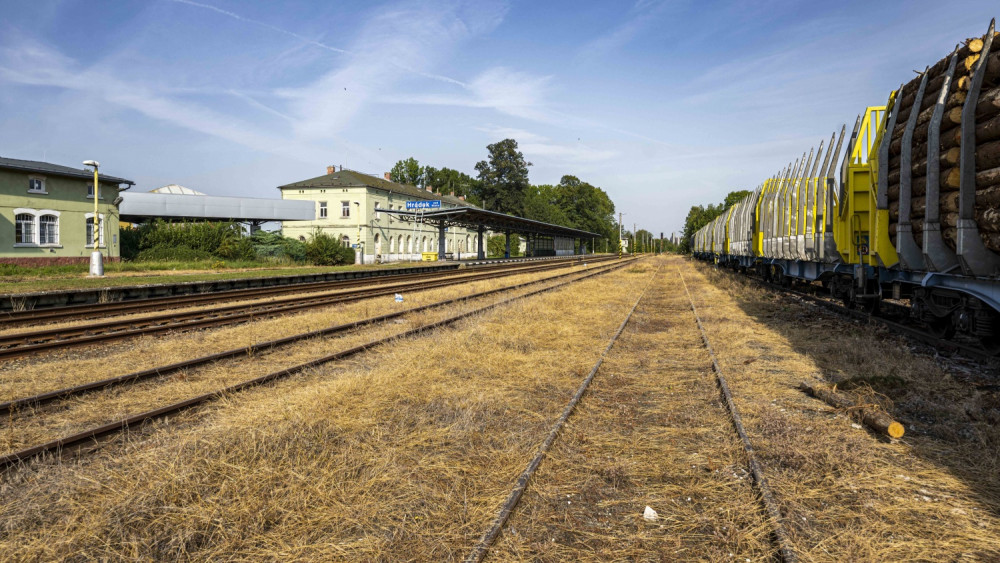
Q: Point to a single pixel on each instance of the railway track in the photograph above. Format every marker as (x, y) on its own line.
(784, 551)
(780, 536)
(22, 344)
(97, 310)
(86, 436)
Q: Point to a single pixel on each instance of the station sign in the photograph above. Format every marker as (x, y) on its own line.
(424, 204)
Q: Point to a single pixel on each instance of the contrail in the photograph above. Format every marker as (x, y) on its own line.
(263, 24)
(313, 41)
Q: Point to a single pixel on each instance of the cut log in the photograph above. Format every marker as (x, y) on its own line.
(948, 202)
(988, 219)
(893, 191)
(951, 178)
(892, 231)
(987, 197)
(987, 178)
(988, 130)
(988, 104)
(991, 241)
(975, 45)
(969, 62)
(951, 157)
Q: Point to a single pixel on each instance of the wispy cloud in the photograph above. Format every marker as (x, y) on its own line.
(642, 15)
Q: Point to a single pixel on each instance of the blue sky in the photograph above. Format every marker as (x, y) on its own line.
(663, 104)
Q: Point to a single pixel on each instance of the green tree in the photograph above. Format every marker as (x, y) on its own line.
(542, 203)
(699, 216)
(504, 178)
(587, 207)
(408, 172)
(446, 180)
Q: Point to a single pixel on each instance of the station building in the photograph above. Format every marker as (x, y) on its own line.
(350, 205)
(47, 213)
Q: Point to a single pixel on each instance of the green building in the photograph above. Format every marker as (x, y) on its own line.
(47, 213)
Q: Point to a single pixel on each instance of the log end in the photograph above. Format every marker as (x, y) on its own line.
(895, 430)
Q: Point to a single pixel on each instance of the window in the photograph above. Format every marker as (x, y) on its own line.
(322, 210)
(36, 184)
(24, 228)
(48, 229)
(345, 240)
(377, 215)
(90, 230)
(345, 209)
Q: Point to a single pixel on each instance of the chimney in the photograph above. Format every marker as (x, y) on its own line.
(388, 176)
(331, 169)
(461, 197)
(452, 194)
(430, 189)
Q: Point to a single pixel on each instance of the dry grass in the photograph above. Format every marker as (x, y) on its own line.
(403, 453)
(28, 376)
(650, 431)
(33, 426)
(846, 494)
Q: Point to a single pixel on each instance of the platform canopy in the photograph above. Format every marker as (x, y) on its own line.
(136, 207)
(473, 217)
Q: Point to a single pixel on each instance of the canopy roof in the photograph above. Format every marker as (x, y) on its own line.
(473, 217)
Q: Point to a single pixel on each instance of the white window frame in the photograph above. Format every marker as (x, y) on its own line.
(323, 214)
(377, 214)
(38, 221)
(41, 179)
(90, 192)
(345, 209)
(36, 227)
(100, 230)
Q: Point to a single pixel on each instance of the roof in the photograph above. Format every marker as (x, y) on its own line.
(58, 170)
(473, 217)
(136, 206)
(351, 178)
(175, 189)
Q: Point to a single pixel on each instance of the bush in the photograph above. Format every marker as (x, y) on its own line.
(496, 246)
(164, 253)
(324, 250)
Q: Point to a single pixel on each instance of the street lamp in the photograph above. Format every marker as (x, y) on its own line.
(96, 259)
(360, 259)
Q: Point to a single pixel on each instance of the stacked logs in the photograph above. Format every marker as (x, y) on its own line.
(987, 213)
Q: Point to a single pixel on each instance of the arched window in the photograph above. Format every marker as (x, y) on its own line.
(465, 244)
(90, 229)
(345, 240)
(409, 244)
(48, 229)
(399, 244)
(423, 244)
(24, 228)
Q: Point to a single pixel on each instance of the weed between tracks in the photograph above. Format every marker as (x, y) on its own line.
(650, 431)
(846, 494)
(404, 453)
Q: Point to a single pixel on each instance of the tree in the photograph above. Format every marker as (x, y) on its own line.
(587, 207)
(542, 203)
(700, 216)
(446, 180)
(408, 172)
(504, 178)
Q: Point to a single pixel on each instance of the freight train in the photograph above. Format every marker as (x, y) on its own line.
(914, 214)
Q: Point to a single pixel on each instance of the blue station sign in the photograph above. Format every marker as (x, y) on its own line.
(424, 204)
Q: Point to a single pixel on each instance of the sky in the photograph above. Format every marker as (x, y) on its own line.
(663, 104)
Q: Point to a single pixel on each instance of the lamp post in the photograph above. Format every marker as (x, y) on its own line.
(96, 259)
(360, 258)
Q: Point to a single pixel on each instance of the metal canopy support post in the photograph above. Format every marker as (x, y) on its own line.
(480, 254)
(506, 248)
(441, 241)
(973, 255)
(938, 256)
